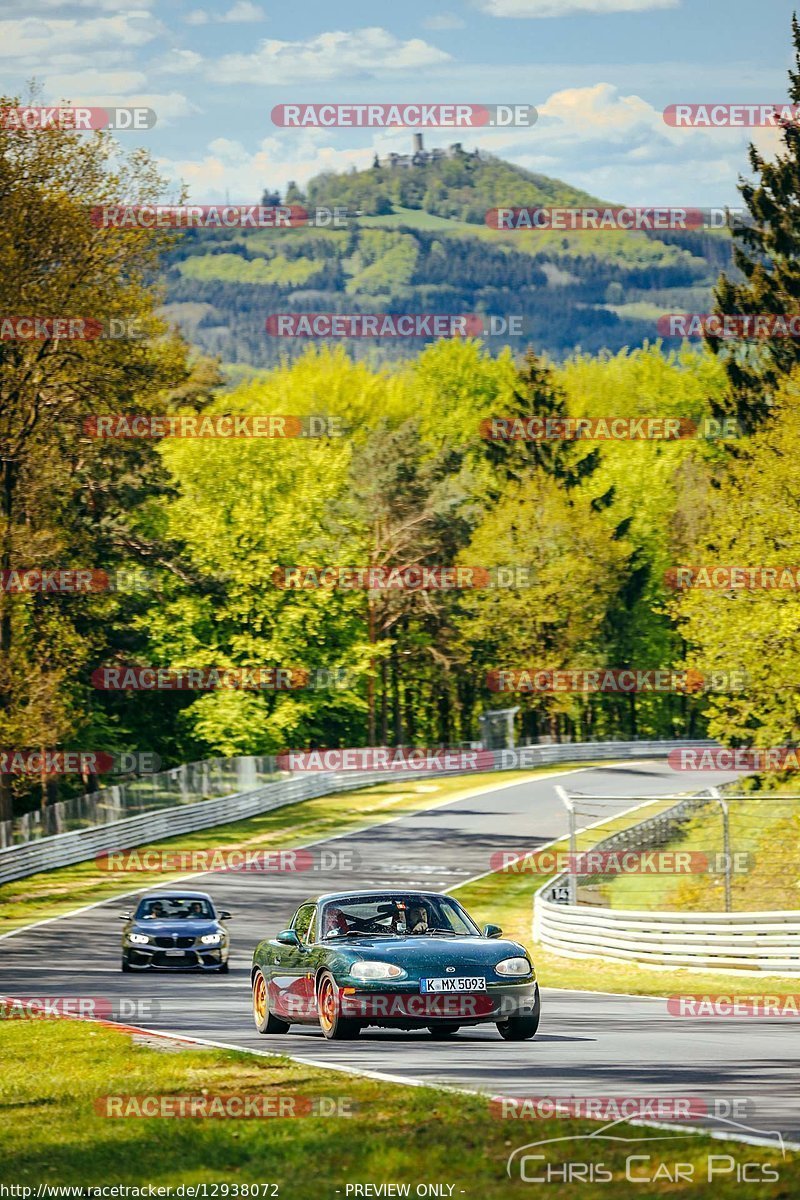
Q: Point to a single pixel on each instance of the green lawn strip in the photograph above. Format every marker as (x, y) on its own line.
(505, 898)
(54, 1072)
(51, 893)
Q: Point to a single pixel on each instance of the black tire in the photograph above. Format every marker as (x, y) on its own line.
(332, 1023)
(440, 1032)
(265, 1022)
(223, 968)
(521, 1028)
(126, 966)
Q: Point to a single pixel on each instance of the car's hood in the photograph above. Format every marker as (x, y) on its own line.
(180, 926)
(428, 954)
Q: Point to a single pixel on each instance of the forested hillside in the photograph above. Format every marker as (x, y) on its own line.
(421, 243)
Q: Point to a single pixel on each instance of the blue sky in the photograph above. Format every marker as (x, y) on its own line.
(599, 71)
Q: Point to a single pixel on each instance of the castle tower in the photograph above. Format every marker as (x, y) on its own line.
(417, 143)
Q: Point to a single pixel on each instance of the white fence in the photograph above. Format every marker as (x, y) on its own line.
(753, 941)
(63, 849)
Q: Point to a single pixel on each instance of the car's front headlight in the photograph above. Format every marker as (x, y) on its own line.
(514, 966)
(211, 939)
(139, 939)
(376, 970)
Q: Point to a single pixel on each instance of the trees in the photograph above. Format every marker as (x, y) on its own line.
(69, 499)
(768, 255)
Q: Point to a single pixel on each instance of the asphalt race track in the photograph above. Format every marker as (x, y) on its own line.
(589, 1044)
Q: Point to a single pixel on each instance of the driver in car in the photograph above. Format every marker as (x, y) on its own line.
(417, 919)
(335, 923)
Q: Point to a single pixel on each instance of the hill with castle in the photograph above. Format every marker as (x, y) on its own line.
(417, 240)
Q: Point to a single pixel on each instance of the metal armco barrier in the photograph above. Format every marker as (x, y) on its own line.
(754, 941)
(64, 849)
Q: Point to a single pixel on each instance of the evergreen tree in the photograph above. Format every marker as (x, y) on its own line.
(539, 396)
(767, 252)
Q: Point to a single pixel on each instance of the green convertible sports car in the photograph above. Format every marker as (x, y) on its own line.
(403, 960)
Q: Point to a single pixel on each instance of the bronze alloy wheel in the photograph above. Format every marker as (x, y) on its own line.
(265, 1022)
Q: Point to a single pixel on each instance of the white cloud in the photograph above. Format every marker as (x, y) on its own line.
(364, 52)
(243, 10)
(87, 82)
(228, 166)
(35, 41)
(178, 62)
(446, 20)
(568, 8)
(32, 8)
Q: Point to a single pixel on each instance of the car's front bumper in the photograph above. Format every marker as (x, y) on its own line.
(145, 958)
(404, 1006)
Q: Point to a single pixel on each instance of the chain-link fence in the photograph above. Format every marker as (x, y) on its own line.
(186, 784)
(709, 852)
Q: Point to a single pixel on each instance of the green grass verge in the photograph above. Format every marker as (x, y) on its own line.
(53, 893)
(54, 1072)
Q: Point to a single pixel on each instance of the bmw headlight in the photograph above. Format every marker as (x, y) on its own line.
(376, 970)
(139, 939)
(211, 939)
(514, 966)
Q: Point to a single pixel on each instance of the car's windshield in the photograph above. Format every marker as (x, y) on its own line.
(395, 914)
(173, 908)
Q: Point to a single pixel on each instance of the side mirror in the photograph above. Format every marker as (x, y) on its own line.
(224, 915)
(288, 937)
(492, 931)
(126, 916)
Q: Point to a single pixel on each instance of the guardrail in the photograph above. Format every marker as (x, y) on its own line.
(751, 941)
(754, 941)
(64, 849)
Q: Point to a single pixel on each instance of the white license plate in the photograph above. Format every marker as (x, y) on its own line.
(465, 983)
(174, 953)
